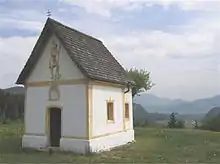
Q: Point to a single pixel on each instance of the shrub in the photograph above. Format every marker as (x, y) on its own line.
(174, 123)
(212, 123)
(180, 124)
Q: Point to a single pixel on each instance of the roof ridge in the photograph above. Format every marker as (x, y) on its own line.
(70, 28)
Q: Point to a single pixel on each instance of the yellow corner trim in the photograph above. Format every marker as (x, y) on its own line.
(59, 82)
(106, 84)
(89, 110)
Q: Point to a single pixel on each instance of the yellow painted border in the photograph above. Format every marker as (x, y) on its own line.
(110, 121)
(127, 119)
(107, 84)
(89, 110)
(59, 82)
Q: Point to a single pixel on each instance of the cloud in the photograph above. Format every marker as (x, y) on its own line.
(198, 40)
(184, 60)
(106, 7)
(183, 64)
(14, 53)
(19, 19)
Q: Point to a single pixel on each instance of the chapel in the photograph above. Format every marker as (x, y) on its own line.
(77, 95)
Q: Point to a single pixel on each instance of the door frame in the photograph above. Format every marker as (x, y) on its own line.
(47, 121)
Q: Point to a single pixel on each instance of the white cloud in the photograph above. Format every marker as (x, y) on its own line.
(105, 7)
(196, 40)
(184, 64)
(14, 53)
(22, 19)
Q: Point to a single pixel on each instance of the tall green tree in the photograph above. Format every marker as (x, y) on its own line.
(141, 79)
(173, 121)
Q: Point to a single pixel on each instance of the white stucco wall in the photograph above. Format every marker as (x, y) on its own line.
(97, 144)
(73, 104)
(41, 71)
(100, 95)
(111, 141)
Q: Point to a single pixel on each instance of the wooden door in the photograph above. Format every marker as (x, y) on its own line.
(55, 127)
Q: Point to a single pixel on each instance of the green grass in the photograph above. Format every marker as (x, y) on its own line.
(152, 145)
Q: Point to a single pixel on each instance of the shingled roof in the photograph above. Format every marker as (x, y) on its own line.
(88, 53)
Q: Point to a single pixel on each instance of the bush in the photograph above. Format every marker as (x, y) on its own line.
(212, 124)
(174, 123)
(180, 124)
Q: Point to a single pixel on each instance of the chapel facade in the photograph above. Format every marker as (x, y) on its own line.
(78, 97)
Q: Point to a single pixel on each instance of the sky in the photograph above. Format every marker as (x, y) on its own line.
(177, 41)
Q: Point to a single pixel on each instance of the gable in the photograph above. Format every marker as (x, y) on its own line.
(89, 54)
(67, 68)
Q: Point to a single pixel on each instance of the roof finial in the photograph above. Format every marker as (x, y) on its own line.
(48, 13)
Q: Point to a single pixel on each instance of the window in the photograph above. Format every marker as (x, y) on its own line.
(126, 110)
(110, 111)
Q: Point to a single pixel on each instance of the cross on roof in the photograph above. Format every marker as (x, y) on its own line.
(48, 13)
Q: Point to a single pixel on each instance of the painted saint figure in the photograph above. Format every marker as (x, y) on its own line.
(54, 62)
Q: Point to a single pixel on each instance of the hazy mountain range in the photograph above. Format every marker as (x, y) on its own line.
(154, 104)
(157, 110)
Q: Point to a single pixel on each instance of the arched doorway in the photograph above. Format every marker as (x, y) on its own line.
(55, 126)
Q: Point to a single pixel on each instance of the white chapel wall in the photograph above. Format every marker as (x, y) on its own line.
(35, 110)
(72, 101)
(68, 69)
(72, 97)
(100, 95)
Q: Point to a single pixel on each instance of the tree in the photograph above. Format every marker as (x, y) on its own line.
(212, 123)
(172, 122)
(141, 79)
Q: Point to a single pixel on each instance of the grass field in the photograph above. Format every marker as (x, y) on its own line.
(152, 145)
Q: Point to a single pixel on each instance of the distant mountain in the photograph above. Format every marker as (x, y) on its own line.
(15, 90)
(212, 113)
(153, 104)
(140, 115)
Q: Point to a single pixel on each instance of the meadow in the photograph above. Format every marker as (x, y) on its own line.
(153, 145)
